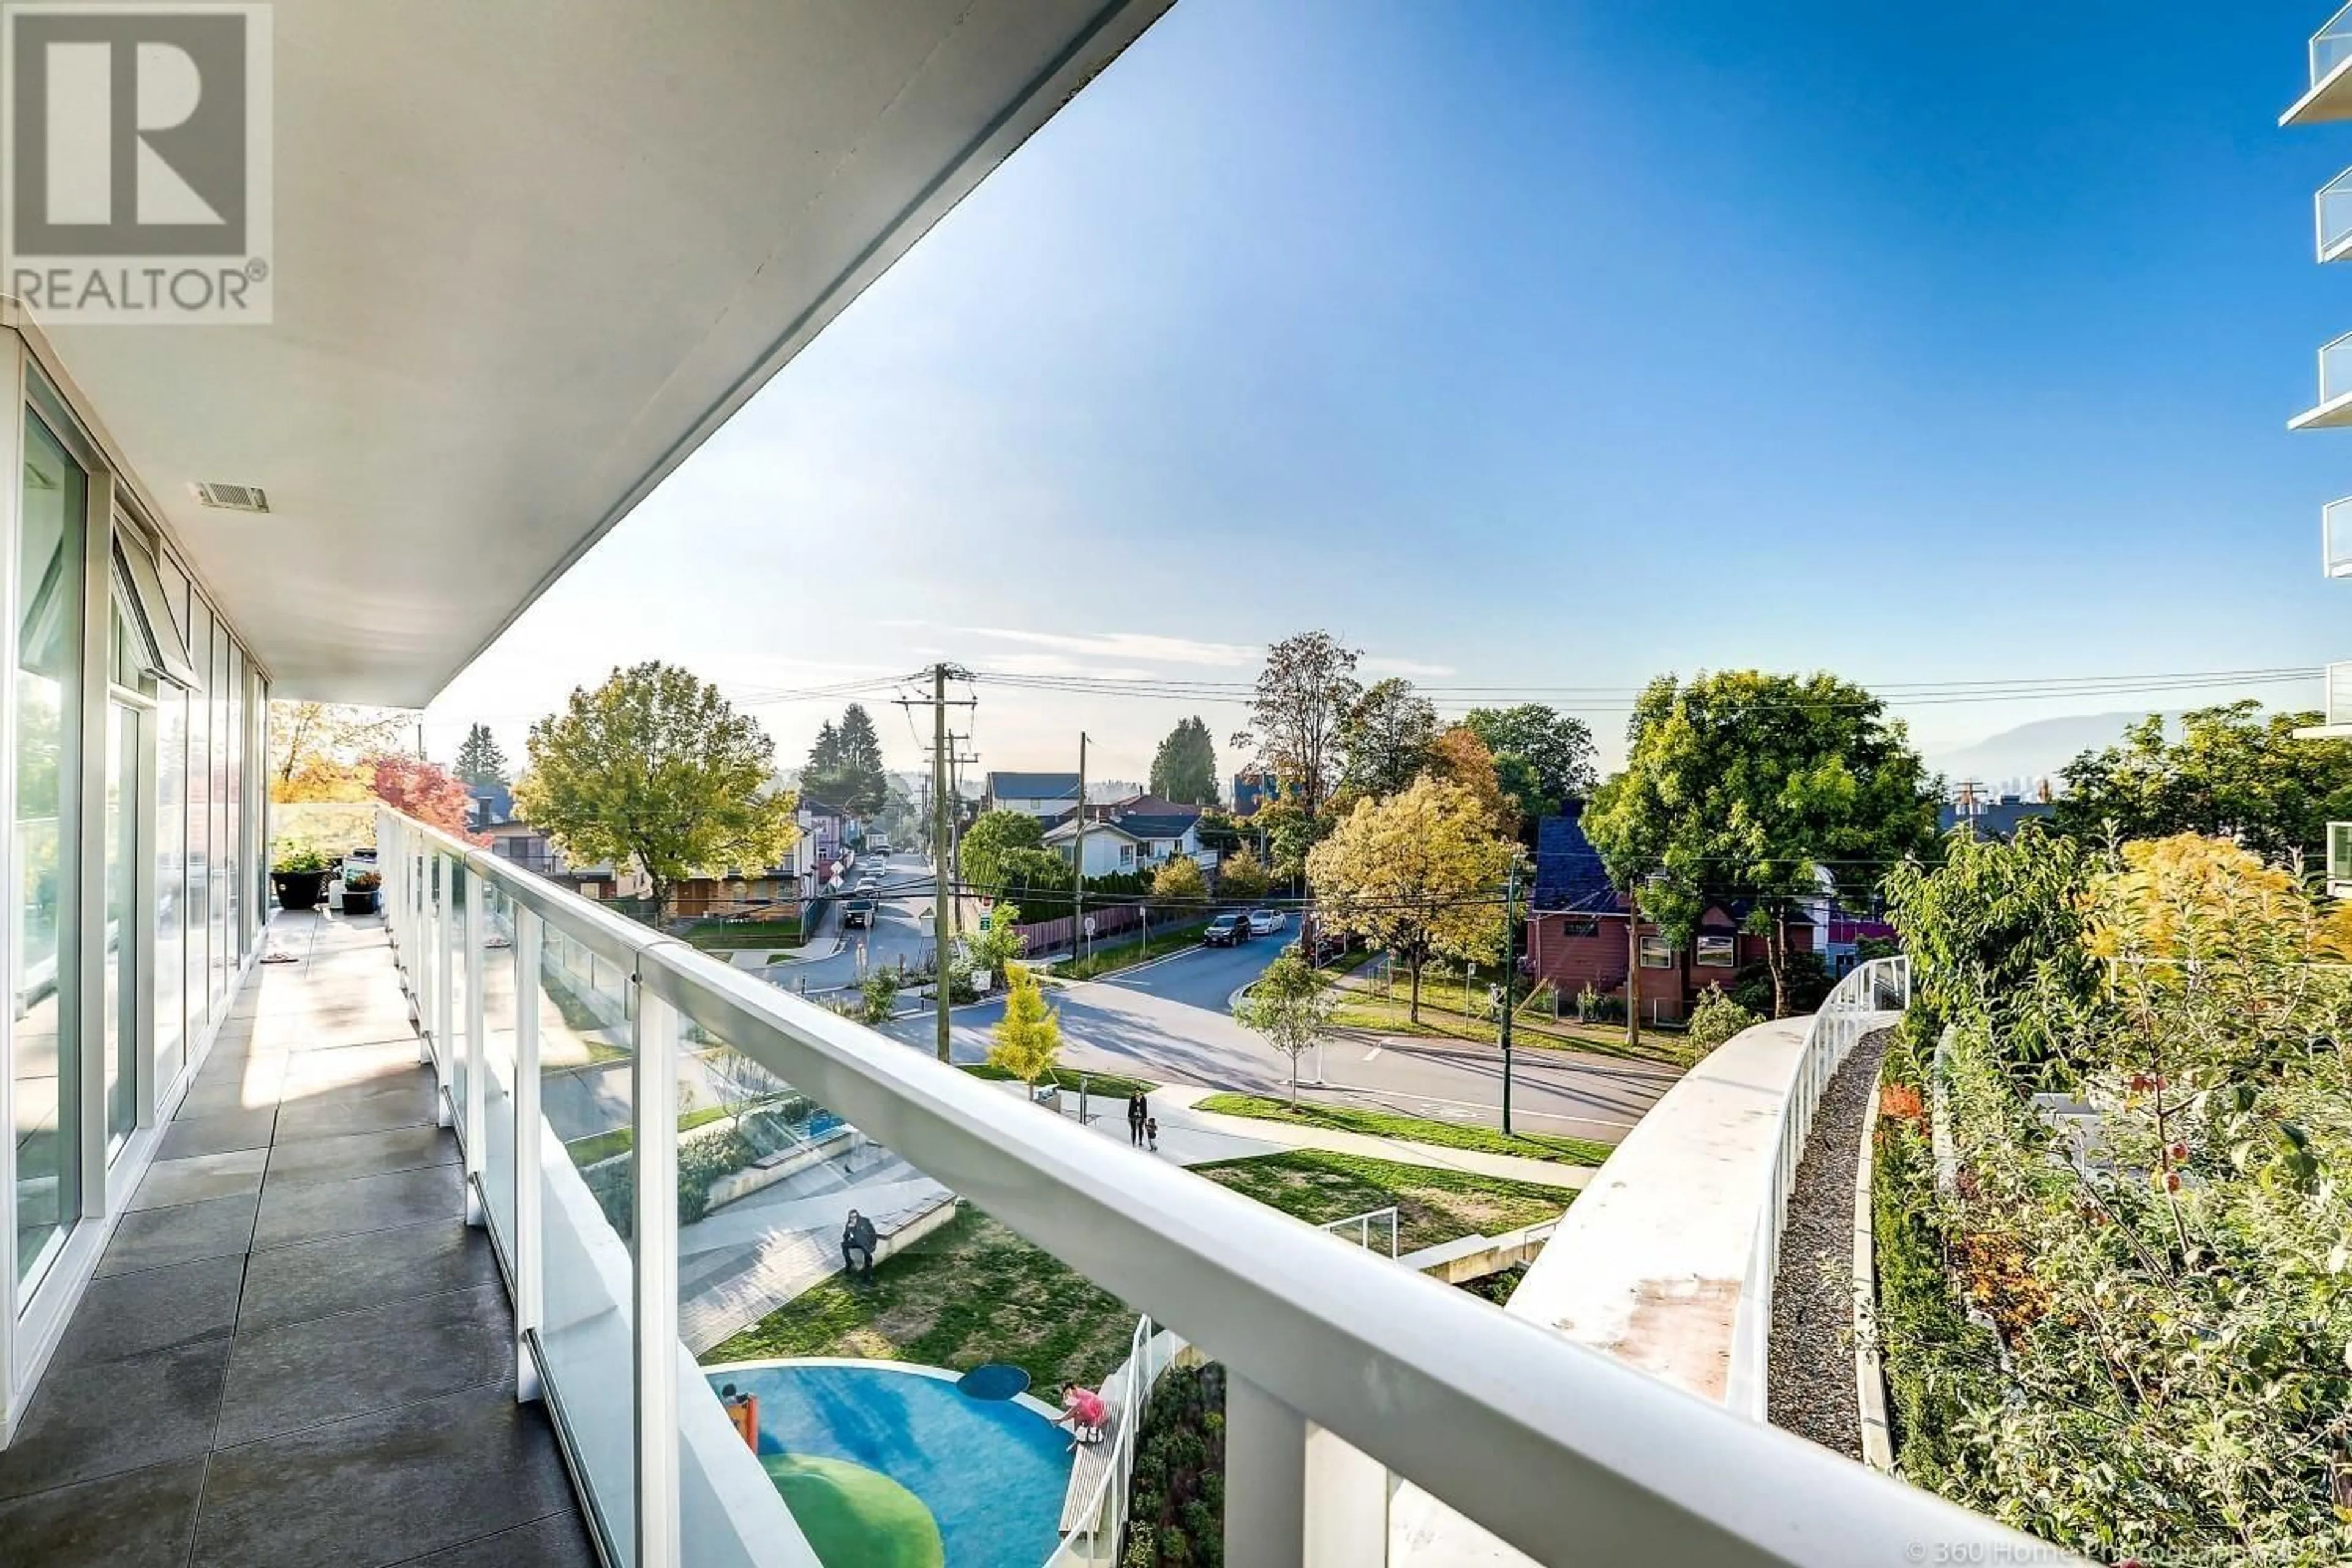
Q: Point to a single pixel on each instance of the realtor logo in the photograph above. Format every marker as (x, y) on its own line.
(135, 175)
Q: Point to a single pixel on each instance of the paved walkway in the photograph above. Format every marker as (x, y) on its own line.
(1191, 1136)
(296, 1353)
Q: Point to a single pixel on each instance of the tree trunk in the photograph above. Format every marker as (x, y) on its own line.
(1416, 1011)
(1775, 954)
(1293, 1080)
(1633, 978)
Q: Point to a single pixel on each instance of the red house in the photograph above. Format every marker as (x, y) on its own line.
(1587, 946)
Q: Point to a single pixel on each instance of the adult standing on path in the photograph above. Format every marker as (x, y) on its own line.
(1137, 1110)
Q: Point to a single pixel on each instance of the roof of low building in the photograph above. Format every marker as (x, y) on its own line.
(1033, 787)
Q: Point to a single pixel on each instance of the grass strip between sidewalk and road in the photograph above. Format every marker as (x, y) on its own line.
(1110, 957)
(1410, 1129)
(1101, 1085)
(1433, 1204)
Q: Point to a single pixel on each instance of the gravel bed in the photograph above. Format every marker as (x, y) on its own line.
(1810, 1379)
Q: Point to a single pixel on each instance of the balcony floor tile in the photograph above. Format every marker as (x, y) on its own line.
(295, 1352)
(144, 1520)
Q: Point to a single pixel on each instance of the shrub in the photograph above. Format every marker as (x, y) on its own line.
(880, 996)
(1715, 1020)
(1176, 1495)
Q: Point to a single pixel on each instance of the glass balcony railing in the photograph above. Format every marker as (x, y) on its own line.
(2335, 370)
(2336, 537)
(2331, 45)
(664, 1150)
(2339, 694)
(2332, 212)
(2339, 860)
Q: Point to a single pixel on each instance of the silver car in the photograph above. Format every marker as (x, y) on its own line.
(1265, 923)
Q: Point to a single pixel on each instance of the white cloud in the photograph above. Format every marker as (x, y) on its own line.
(1372, 664)
(1131, 646)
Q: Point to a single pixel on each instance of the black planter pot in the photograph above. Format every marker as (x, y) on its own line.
(299, 890)
(359, 903)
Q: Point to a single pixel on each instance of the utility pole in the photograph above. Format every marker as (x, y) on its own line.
(942, 843)
(1078, 861)
(940, 849)
(1511, 971)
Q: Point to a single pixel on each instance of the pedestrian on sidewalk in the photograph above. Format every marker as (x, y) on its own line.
(1135, 1120)
(1151, 1133)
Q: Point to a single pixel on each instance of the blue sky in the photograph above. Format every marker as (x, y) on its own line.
(1543, 344)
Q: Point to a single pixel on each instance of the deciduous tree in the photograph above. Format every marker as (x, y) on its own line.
(1291, 1006)
(1179, 882)
(425, 791)
(1419, 873)
(1459, 757)
(1303, 694)
(2234, 772)
(655, 767)
(1386, 737)
(1544, 756)
(317, 750)
(990, 837)
(1241, 875)
(1184, 769)
(1753, 786)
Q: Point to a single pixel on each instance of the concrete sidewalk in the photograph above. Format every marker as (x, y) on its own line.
(1190, 1136)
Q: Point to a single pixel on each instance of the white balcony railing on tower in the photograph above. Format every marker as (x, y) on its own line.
(2336, 537)
(2331, 45)
(2332, 212)
(545, 1016)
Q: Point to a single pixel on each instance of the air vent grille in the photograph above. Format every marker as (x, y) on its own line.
(231, 498)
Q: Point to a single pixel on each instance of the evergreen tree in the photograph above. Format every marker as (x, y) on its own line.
(1029, 1037)
(1185, 768)
(861, 762)
(480, 761)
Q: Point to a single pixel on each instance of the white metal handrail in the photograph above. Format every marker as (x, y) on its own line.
(1363, 1224)
(1858, 1004)
(1558, 1450)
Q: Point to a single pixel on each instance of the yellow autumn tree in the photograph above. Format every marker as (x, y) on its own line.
(1418, 873)
(1029, 1037)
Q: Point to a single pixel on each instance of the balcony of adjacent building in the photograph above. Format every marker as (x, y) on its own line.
(2336, 706)
(2334, 409)
(2329, 97)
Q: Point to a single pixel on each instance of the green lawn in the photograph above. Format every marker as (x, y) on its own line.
(971, 1291)
(1433, 1205)
(725, 934)
(1361, 1007)
(1101, 1085)
(586, 1151)
(1416, 1128)
(1107, 958)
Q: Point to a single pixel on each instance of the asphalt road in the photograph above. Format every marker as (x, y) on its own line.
(901, 929)
(1171, 1020)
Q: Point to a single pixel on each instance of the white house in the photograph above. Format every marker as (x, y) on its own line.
(1134, 842)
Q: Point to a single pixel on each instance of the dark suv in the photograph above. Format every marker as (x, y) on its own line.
(1227, 931)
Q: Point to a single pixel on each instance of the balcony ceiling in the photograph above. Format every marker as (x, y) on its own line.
(529, 255)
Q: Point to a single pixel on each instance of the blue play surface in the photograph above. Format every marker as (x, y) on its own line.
(991, 1471)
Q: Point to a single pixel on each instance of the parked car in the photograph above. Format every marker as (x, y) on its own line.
(881, 847)
(857, 911)
(1227, 931)
(1265, 923)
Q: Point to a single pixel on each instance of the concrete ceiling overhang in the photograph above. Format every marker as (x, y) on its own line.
(528, 256)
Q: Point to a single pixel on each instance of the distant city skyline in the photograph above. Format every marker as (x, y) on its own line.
(1524, 346)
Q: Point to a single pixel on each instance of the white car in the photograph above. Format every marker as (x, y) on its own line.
(1265, 923)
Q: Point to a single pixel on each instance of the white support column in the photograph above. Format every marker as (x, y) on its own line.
(1266, 1480)
(1346, 1504)
(475, 1142)
(530, 1289)
(654, 1165)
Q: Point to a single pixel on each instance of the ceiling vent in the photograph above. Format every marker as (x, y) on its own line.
(231, 498)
